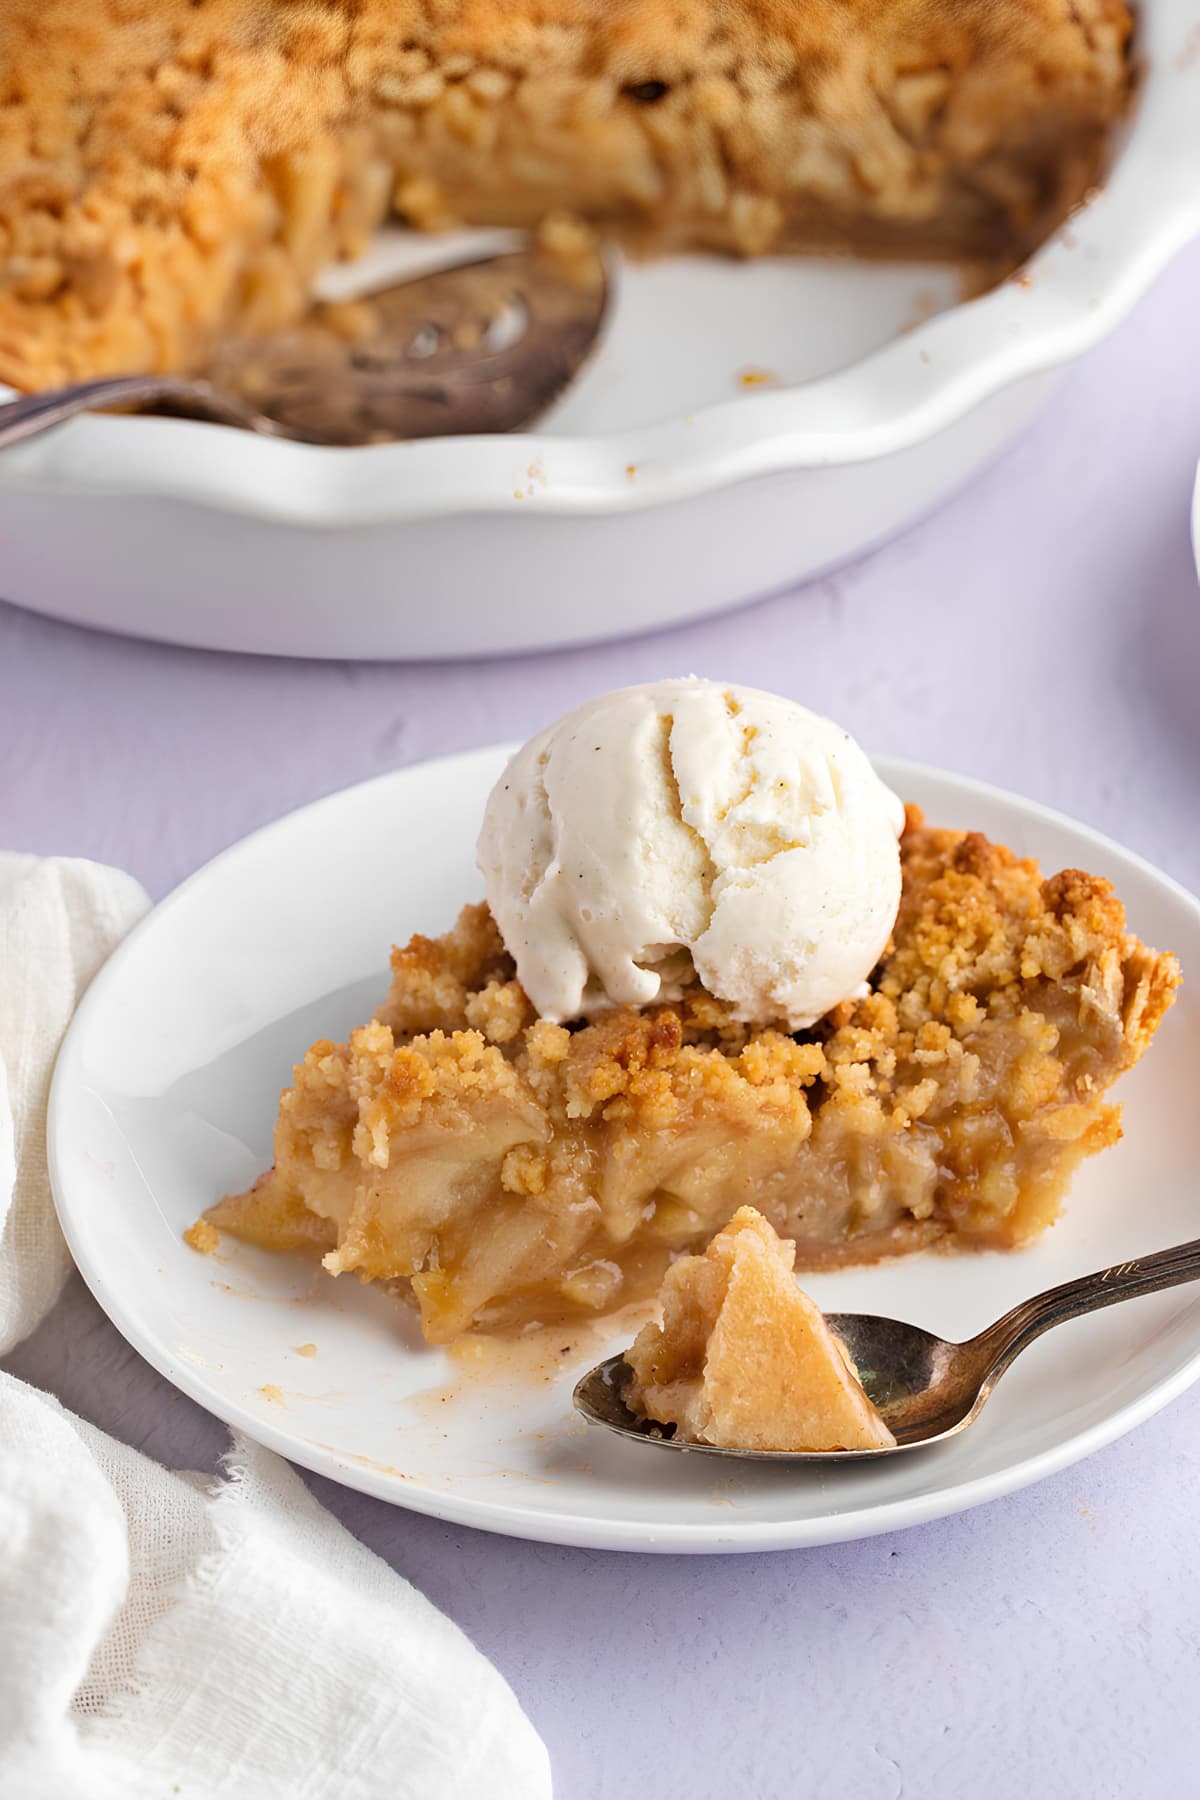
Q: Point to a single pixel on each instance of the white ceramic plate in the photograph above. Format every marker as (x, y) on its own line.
(165, 1095)
(888, 395)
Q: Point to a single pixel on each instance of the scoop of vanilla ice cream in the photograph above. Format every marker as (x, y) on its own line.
(688, 817)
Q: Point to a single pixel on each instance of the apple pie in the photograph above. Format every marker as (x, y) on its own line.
(173, 170)
(743, 1358)
(507, 1169)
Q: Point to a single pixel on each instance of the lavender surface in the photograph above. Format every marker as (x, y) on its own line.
(1043, 632)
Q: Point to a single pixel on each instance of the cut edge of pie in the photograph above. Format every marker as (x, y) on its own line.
(744, 1358)
(507, 1170)
(170, 172)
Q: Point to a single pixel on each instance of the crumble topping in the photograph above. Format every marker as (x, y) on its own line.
(980, 937)
(203, 1237)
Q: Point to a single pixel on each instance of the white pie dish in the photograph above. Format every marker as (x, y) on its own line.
(655, 492)
(165, 1095)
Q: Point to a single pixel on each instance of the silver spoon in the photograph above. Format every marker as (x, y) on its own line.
(482, 347)
(927, 1390)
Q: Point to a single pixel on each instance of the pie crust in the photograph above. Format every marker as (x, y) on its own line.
(743, 1358)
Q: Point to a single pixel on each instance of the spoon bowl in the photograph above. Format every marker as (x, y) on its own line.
(482, 347)
(925, 1388)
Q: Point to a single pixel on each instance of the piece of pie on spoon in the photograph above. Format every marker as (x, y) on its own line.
(743, 1358)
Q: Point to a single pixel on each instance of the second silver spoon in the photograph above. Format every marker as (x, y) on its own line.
(481, 347)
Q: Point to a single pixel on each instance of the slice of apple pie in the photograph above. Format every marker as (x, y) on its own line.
(512, 1169)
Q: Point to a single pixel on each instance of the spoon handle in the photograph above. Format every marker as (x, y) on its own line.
(34, 413)
(1004, 1340)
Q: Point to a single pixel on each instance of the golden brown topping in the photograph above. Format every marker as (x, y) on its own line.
(202, 1237)
(433, 977)
(980, 934)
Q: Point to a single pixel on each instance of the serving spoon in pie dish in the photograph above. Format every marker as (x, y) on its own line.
(484, 346)
(925, 1389)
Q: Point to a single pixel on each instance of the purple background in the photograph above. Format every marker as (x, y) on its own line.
(1043, 631)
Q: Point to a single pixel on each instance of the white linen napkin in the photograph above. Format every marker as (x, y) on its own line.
(172, 1634)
